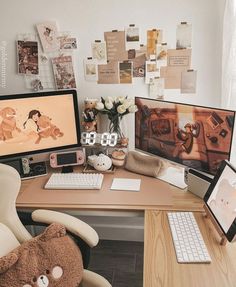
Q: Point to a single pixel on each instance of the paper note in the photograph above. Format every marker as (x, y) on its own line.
(172, 76)
(115, 42)
(179, 58)
(108, 74)
(188, 82)
(126, 184)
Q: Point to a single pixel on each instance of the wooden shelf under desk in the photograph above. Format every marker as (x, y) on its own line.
(160, 264)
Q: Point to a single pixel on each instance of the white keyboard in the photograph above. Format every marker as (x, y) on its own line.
(75, 181)
(187, 238)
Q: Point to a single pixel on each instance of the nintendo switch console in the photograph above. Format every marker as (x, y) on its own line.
(62, 159)
(197, 182)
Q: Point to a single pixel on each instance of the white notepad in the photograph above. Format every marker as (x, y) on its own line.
(126, 184)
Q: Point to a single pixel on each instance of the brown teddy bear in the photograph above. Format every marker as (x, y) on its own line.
(8, 124)
(51, 259)
(90, 126)
(47, 129)
(90, 115)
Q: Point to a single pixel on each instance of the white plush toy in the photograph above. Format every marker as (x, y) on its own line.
(101, 162)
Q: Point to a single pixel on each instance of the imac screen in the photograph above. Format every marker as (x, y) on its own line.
(194, 136)
(38, 122)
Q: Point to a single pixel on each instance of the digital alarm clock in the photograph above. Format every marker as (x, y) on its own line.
(105, 139)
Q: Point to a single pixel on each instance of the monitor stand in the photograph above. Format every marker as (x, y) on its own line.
(67, 169)
(174, 175)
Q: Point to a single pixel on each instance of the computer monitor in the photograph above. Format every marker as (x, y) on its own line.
(38, 122)
(194, 136)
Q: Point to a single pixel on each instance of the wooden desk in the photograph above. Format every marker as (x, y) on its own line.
(155, 198)
(161, 268)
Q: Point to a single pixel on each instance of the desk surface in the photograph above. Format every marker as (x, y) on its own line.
(160, 266)
(153, 193)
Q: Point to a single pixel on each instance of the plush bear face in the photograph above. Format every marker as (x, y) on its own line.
(43, 279)
(49, 260)
(90, 103)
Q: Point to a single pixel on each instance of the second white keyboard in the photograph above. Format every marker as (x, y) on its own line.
(75, 181)
(189, 244)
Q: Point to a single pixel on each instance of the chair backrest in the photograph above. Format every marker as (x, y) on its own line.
(10, 183)
(8, 241)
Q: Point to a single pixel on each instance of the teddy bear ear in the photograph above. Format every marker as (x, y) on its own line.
(6, 262)
(55, 230)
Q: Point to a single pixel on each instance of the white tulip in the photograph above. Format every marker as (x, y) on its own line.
(120, 99)
(127, 103)
(99, 106)
(109, 99)
(109, 105)
(121, 109)
(133, 109)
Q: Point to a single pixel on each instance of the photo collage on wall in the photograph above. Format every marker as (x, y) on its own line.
(121, 57)
(49, 65)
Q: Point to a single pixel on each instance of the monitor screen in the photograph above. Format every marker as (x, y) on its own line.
(38, 122)
(194, 136)
(221, 199)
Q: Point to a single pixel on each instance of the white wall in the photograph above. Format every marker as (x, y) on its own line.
(89, 19)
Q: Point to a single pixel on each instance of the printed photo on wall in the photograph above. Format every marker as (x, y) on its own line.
(139, 66)
(157, 88)
(152, 70)
(132, 37)
(67, 43)
(99, 51)
(126, 72)
(27, 55)
(161, 54)
(184, 36)
(63, 72)
(48, 33)
(90, 70)
(141, 51)
(153, 37)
